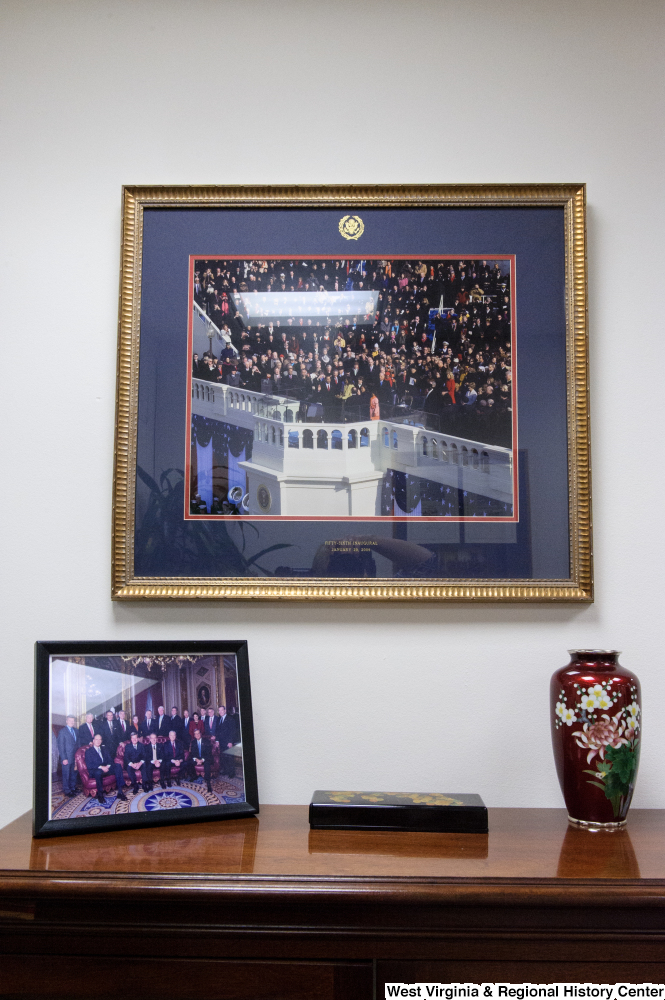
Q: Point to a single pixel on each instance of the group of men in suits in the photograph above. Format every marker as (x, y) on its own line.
(151, 762)
(158, 724)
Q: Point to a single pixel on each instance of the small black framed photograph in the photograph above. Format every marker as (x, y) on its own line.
(131, 734)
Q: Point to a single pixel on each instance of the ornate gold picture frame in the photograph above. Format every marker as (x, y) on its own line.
(353, 393)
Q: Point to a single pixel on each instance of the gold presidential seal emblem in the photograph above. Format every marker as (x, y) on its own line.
(351, 227)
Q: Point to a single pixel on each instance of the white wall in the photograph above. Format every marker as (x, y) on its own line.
(97, 94)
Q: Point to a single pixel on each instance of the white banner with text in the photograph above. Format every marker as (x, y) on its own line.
(524, 991)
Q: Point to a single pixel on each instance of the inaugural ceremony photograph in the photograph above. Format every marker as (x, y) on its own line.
(135, 734)
(352, 388)
(333, 387)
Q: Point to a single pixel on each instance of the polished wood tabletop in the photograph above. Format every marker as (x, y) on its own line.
(521, 844)
(265, 907)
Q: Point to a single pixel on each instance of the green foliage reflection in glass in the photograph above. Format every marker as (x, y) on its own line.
(204, 547)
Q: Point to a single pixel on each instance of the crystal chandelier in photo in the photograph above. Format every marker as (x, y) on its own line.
(159, 661)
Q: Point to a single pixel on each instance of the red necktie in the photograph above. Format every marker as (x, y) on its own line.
(90, 728)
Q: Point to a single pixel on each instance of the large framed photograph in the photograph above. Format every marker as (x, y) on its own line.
(353, 393)
(142, 733)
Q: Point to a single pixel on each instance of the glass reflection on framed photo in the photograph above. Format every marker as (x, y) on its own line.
(353, 393)
(138, 734)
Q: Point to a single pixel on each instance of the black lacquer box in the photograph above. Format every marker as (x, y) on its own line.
(424, 811)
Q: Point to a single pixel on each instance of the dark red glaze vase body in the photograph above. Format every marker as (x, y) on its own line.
(596, 713)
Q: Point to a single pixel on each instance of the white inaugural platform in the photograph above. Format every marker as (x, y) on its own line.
(337, 469)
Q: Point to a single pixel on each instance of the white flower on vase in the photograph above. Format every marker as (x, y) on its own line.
(560, 708)
(596, 690)
(633, 709)
(588, 701)
(603, 700)
(568, 716)
(632, 726)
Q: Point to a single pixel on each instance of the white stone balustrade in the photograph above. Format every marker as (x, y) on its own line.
(339, 467)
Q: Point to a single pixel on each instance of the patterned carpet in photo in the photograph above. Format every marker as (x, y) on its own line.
(184, 795)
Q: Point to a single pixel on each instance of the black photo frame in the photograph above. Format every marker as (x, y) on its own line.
(73, 679)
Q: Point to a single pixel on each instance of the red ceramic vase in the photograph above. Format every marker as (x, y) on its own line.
(596, 715)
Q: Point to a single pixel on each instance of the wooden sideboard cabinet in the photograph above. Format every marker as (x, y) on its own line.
(265, 909)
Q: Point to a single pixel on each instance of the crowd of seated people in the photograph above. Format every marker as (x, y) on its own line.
(148, 748)
(451, 364)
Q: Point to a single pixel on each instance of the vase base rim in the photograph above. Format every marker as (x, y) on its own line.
(593, 826)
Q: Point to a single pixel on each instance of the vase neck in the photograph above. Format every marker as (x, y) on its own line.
(597, 658)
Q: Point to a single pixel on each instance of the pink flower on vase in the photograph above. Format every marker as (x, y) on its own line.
(604, 733)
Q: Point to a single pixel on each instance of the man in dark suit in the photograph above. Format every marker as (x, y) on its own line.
(88, 730)
(99, 763)
(153, 754)
(136, 764)
(148, 725)
(162, 724)
(228, 730)
(431, 401)
(185, 735)
(175, 722)
(210, 724)
(228, 734)
(122, 728)
(200, 752)
(383, 389)
(67, 742)
(173, 755)
(109, 734)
